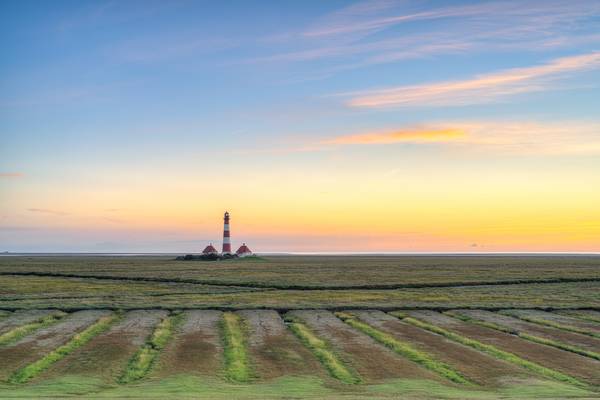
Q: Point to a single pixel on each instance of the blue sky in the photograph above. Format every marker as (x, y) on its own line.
(104, 103)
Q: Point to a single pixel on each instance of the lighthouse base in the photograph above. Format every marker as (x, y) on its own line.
(206, 257)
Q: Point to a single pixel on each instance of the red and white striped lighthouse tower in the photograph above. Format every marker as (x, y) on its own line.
(226, 236)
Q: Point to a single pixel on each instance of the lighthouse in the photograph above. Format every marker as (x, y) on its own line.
(211, 254)
(226, 235)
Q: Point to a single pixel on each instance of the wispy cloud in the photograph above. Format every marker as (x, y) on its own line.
(527, 137)
(478, 136)
(47, 211)
(374, 15)
(481, 88)
(517, 137)
(11, 174)
(353, 37)
(400, 136)
(375, 52)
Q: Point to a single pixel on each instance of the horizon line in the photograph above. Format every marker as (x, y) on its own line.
(315, 253)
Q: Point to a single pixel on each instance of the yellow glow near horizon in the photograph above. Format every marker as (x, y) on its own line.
(437, 210)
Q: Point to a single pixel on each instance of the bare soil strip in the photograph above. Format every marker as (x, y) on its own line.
(580, 367)
(405, 349)
(106, 355)
(373, 361)
(19, 318)
(464, 359)
(35, 346)
(557, 321)
(274, 350)
(196, 347)
(21, 331)
(518, 326)
(78, 340)
(323, 351)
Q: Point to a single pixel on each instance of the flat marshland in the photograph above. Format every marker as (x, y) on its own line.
(301, 327)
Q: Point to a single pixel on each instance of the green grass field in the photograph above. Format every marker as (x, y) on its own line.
(182, 353)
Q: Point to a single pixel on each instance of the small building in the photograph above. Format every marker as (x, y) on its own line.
(210, 251)
(243, 251)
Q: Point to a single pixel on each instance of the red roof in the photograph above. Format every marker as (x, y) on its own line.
(243, 249)
(209, 250)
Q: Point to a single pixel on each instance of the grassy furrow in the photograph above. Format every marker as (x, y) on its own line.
(532, 338)
(332, 363)
(29, 371)
(237, 360)
(140, 364)
(583, 316)
(21, 331)
(404, 349)
(552, 324)
(493, 351)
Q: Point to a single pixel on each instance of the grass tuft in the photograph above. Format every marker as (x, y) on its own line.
(404, 349)
(495, 352)
(19, 332)
(28, 372)
(332, 363)
(532, 338)
(237, 360)
(140, 364)
(552, 324)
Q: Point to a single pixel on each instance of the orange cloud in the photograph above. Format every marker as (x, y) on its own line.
(11, 175)
(409, 136)
(515, 137)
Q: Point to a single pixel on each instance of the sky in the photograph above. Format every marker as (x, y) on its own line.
(321, 126)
